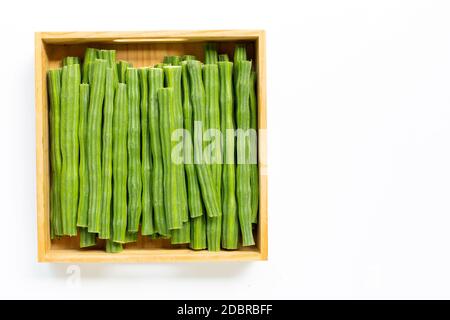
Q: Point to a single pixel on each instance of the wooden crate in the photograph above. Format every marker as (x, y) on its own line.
(142, 49)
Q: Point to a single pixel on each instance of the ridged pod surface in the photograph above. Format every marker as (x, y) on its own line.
(198, 233)
(70, 60)
(183, 235)
(210, 199)
(70, 96)
(240, 54)
(87, 239)
(113, 247)
(83, 199)
(94, 140)
(122, 67)
(131, 237)
(188, 57)
(193, 189)
(211, 53)
(243, 151)
(166, 121)
(89, 56)
(120, 164)
(147, 214)
(110, 57)
(54, 93)
(134, 151)
(230, 224)
(212, 86)
(254, 174)
(223, 57)
(172, 60)
(108, 109)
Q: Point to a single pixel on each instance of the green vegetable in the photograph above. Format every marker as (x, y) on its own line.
(212, 86)
(171, 191)
(54, 92)
(172, 60)
(110, 57)
(83, 199)
(210, 197)
(211, 78)
(230, 227)
(243, 151)
(254, 175)
(155, 82)
(89, 56)
(173, 80)
(240, 53)
(211, 53)
(194, 196)
(94, 140)
(198, 233)
(161, 65)
(176, 60)
(70, 97)
(147, 215)
(113, 247)
(121, 136)
(70, 60)
(134, 152)
(87, 239)
(223, 57)
(131, 237)
(105, 226)
(213, 232)
(120, 164)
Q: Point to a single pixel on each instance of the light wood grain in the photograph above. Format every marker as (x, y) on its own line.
(141, 49)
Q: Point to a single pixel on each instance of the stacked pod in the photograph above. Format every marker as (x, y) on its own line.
(167, 151)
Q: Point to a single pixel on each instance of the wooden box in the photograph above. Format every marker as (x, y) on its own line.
(141, 49)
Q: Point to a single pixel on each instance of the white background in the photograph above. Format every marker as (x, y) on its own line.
(358, 151)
